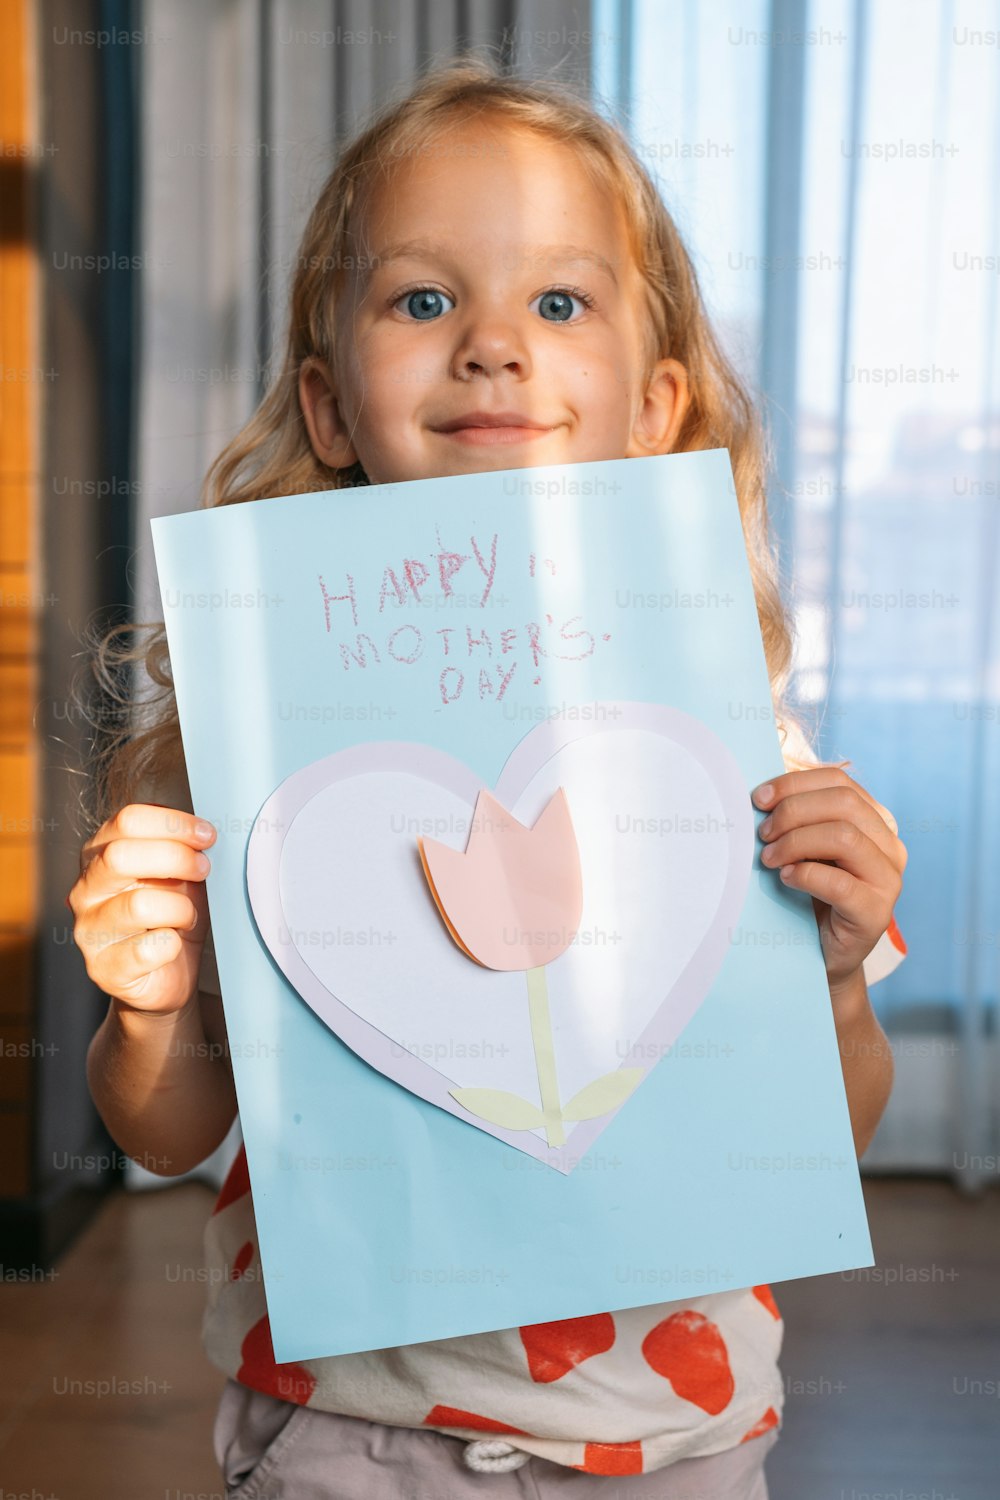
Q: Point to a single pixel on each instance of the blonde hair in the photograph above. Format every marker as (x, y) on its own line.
(272, 455)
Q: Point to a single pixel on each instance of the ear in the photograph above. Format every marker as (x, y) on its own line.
(328, 435)
(663, 410)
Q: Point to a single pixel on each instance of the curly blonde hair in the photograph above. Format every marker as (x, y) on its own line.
(272, 455)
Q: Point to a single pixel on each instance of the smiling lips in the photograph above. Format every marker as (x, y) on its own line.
(493, 427)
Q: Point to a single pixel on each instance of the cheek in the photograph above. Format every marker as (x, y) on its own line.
(602, 381)
(399, 372)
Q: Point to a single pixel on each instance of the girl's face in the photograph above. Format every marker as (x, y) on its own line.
(500, 285)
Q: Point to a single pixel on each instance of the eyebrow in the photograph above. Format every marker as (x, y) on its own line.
(429, 250)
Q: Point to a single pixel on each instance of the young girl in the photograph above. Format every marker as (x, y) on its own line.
(488, 280)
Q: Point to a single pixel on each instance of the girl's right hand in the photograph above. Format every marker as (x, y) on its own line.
(141, 907)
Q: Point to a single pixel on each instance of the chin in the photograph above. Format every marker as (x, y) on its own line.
(485, 461)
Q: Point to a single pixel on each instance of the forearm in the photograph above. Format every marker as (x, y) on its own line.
(866, 1060)
(164, 1094)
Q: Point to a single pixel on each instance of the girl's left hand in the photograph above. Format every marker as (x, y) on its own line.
(842, 847)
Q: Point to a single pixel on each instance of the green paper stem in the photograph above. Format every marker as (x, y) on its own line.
(545, 1058)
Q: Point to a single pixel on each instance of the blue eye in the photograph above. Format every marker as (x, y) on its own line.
(560, 301)
(424, 303)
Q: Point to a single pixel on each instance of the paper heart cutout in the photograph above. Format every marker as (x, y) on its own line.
(665, 830)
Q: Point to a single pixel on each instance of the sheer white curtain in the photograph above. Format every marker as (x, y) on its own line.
(836, 169)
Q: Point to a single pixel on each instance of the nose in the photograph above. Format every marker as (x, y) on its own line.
(489, 343)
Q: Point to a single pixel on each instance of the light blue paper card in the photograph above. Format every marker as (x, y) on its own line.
(521, 1028)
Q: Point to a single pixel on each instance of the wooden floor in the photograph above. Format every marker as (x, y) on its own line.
(891, 1375)
(887, 1370)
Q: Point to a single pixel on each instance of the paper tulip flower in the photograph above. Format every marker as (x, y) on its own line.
(512, 899)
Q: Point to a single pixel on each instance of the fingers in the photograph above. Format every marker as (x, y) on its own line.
(136, 960)
(133, 912)
(141, 906)
(817, 777)
(148, 820)
(142, 840)
(854, 855)
(804, 799)
(128, 938)
(126, 860)
(848, 897)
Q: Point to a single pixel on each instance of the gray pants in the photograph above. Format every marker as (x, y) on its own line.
(274, 1450)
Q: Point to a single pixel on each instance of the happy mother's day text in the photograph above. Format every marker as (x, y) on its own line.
(474, 659)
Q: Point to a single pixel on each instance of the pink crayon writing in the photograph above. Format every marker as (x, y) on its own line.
(329, 599)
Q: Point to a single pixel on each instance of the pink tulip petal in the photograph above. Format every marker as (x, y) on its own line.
(438, 903)
(513, 898)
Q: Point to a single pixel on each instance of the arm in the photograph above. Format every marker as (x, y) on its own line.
(163, 1084)
(866, 1059)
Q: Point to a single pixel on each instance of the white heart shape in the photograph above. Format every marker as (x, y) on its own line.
(665, 832)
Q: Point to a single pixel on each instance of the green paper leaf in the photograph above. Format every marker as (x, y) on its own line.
(603, 1095)
(500, 1108)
